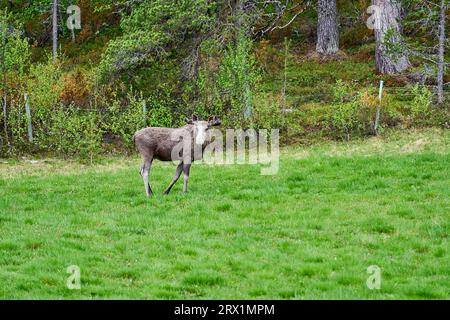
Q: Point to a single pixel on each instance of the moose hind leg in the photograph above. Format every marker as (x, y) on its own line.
(145, 176)
(175, 178)
(186, 169)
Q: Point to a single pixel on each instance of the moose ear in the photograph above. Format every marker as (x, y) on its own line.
(213, 121)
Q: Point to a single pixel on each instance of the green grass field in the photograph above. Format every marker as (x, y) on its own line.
(311, 231)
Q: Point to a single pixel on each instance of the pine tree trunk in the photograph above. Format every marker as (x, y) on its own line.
(441, 61)
(55, 28)
(389, 17)
(327, 27)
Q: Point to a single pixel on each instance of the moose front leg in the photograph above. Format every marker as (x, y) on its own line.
(175, 178)
(186, 168)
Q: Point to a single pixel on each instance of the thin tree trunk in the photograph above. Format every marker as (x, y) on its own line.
(3, 69)
(441, 61)
(389, 17)
(5, 127)
(61, 21)
(242, 28)
(327, 27)
(283, 88)
(55, 29)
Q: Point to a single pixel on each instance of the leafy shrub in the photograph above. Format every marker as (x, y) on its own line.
(77, 89)
(159, 114)
(419, 107)
(237, 78)
(267, 113)
(44, 85)
(124, 120)
(307, 121)
(268, 57)
(344, 120)
(342, 91)
(75, 132)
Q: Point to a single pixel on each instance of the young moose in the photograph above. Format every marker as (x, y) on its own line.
(167, 144)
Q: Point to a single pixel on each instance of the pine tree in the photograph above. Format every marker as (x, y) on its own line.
(327, 27)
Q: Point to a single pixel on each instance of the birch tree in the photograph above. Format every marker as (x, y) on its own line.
(441, 51)
(55, 28)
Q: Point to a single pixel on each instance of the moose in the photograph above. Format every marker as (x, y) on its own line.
(164, 144)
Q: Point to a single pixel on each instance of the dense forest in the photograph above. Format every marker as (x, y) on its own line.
(80, 77)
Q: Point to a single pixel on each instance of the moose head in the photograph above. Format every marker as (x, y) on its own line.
(201, 127)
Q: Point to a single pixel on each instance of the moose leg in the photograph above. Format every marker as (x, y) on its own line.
(145, 173)
(175, 178)
(186, 168)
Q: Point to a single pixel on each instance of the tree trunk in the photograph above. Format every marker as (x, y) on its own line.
(388, 18)
(441, 61)
(242, 29)
(55, 28)
(327, 27)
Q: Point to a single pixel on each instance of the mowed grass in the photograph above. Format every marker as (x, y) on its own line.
(311, 231)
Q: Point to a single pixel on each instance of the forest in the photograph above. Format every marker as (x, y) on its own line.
(78, 78)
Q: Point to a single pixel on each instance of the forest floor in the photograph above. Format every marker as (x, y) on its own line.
(310, 231)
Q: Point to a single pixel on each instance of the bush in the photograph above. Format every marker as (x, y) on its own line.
(237, 78)
(344, 120)
(267, 112)
(75, 132)
(159, 113)
(44, 88)
(418, 110)
(342, 91)
(77, 89)
(124, 120)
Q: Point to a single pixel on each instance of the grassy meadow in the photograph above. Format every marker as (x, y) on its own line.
(311, 231)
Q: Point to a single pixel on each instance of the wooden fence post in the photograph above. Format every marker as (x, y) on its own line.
(5, 127)
(28, 113)
(377, 115)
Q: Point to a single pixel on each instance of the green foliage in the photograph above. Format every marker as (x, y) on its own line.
(342, 91)
(14, 49)
(267, 112)
(193, 56)
(344, 119)
(237, 79)
(150, 30)
(124, 121)
(44, 85)
(72, 132)
(159, 114)
(421, 101)
(394, 42)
